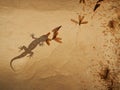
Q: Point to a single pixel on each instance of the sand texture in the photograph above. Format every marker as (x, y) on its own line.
(86, 58)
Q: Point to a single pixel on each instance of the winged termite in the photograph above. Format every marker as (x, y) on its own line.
(79, 17)
(99, 1)
(55, 34)
(96, 6)
(111, 24)
(58, 40)
(56, 29)
(82, 1)
(76, 22)
(85, 22)
(80, 20)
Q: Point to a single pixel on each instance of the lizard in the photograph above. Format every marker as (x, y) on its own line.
(28, 50)
(55, 34)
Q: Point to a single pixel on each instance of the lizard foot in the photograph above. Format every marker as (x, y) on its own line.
(41, 44)
(31, 54)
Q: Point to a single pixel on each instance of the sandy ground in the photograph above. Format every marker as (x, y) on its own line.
(71, 65)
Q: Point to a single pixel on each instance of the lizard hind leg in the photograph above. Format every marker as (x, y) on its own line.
(41, 44)
(30, 54)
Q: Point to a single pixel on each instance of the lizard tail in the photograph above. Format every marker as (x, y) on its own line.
(15, 58)
(11, 64)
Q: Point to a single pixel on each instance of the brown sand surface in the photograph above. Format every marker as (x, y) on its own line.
(74, 64)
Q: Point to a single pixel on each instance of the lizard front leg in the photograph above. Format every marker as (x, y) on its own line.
(23, 48)
(33, 36)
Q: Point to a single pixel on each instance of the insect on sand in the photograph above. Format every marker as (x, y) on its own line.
(80, 1)
(97, 5)
(105, 74)
(80, 20)
(111, 24)
(55, 34)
